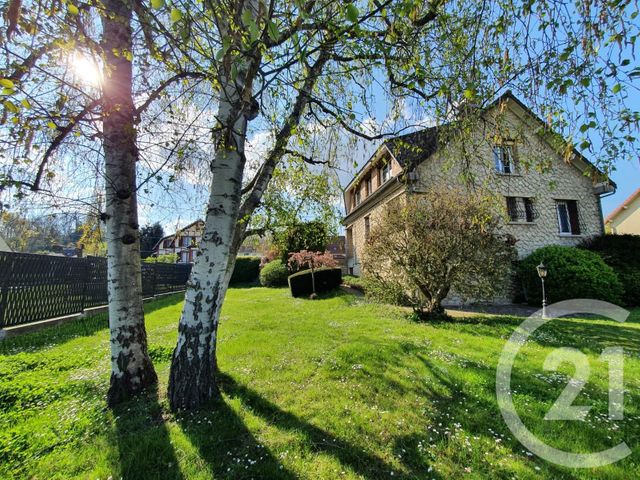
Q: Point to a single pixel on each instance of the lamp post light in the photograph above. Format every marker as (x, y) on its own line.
(542, 273)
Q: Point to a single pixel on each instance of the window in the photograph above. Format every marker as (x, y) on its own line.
(185, 241)
(369, 185)
(568, 222)
(356, 197)
(521, 209)
(503, 159)
(168, 243)
(529, 212)
(367, 227)
(385, 172)
(512, 208)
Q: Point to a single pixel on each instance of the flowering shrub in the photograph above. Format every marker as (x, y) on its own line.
(306, 259)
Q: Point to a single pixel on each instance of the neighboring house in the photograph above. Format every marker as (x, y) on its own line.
(3, 245)
(625, 218)
(557, 204)
(184, 242)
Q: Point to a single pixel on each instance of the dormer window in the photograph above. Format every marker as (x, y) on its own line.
(503, 159)
(369, 185)
(385, 172)
(356, 197)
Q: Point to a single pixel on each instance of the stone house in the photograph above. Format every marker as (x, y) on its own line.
(625, 219)
(551, 192)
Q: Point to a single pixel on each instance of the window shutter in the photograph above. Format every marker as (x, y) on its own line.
(528, 209)
(572, 206)
(512, 208)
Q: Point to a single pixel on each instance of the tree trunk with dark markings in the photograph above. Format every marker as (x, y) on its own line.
(131, 367)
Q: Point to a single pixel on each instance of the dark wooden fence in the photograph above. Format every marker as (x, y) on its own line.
(37, 287)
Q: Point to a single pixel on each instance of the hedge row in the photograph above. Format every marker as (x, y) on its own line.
(572, 273)
(622, 253)
(246, 270)
(301, 283)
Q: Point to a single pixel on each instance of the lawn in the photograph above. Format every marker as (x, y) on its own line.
(331, 388)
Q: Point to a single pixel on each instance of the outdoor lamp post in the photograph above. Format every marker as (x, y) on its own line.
(542, 273)
(309, 259)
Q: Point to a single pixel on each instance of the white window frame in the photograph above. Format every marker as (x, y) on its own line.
(563, 203)
(385, 172)
(499, 152)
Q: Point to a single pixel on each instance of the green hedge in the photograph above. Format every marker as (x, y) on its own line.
(246, 270)
(572, 273)
(301, 283)
(274, 274)
(622, 253)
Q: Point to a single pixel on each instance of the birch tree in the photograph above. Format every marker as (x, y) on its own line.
(69, 104)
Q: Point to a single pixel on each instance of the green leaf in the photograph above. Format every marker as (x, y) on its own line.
(52, 125)
(176, 15)
(468, 94)
(72, 9)
(157, 4)
(616, 88)
(352, 13)
(6, 83)
(8, 91)
(272, 30)
(9, 105)
(584, 127)
(25, 103)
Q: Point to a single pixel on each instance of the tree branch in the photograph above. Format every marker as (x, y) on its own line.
(55, 143)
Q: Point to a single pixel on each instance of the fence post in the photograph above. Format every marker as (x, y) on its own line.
(4, 289)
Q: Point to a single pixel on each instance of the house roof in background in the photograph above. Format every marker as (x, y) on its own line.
(623, 205)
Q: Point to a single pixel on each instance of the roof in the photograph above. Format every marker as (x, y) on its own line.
(623, 206)
(413, 148)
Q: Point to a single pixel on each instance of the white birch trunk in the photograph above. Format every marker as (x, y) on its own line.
(131, 367)
(192, 378)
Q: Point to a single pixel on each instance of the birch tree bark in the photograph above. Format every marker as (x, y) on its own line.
(131, 367)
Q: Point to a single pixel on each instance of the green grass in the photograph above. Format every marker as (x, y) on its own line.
(332, 388)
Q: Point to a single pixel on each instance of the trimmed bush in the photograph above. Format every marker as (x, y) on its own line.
(246, 270)
(274, 274)
(573, 273)
(301, 283)
(622, 253)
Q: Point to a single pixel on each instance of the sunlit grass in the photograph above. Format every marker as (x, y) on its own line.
(332, 388)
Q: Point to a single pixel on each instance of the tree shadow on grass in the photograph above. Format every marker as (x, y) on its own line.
(227, 447)
(363, 463)
(144, 445)
(82, 327)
